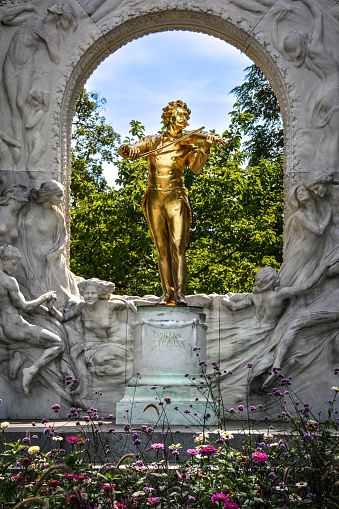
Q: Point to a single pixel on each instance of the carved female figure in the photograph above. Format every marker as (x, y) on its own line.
(305, 246)
(34, 33)
(104, 347)
(326, 188)
(42, 242)
(12, 199)
(301, 48)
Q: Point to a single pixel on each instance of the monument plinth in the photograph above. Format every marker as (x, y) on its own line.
(169, 342)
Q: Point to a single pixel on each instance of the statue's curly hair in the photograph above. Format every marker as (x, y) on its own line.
(172, 106)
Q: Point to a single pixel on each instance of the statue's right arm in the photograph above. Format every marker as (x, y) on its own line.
(238, 301)
(19, 300)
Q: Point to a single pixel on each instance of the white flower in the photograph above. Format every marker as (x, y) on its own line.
(34, 449)
(57, 438)
(174, 447)
(226, 436)
(201, 437)
(335, 389)
(301, 484)
(268, 437)
(4, 425)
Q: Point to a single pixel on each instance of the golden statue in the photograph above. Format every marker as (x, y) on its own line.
(165, 203)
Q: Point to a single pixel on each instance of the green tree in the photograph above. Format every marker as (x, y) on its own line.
(93, 142)
(265, 131)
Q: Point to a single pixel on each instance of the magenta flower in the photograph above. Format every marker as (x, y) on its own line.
(192, 452)
(107, 487)
(153, 500)
(53, 483)
(219, 497)
(72, 440)
(81, 477)
(157, 446)
(207, 450)
(259, 456)
(72, 499)
(231, 505)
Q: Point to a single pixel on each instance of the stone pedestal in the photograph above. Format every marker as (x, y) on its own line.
(164, 341)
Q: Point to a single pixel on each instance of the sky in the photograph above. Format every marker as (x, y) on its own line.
(140, 78)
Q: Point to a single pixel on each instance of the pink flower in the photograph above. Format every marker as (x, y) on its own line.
(259, 456)
(157, 446)
(153, 500)
(107, 487)
(207, 450)
(219, 497)
(192, 452)
(231, 505)
(72, 440)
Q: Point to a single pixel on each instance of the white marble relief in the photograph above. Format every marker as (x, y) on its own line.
(307, 49)
(34, 33)
(13, 198)
(42, 241)
(15, 328)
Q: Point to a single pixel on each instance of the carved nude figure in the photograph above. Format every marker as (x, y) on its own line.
(301, 48)
(42, 241)
(305, 245)
(326, 188)
(12, 199)
(105, 350)
(14, 327)
(35, 32)
(267, 297)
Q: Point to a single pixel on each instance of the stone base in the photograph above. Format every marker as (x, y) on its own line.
(169, 342)
(148, 406)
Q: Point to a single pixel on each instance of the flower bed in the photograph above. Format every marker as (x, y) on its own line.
(297, 469)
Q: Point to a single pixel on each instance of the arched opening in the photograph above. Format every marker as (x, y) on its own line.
(218, 35)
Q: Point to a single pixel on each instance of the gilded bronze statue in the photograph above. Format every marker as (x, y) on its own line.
(165, 204)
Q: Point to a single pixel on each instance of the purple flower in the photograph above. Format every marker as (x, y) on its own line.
(249, 365)
(219, 497)
(168, 400)
(241, 408)
(154, 387)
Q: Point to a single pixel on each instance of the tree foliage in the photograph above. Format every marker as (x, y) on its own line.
(237, 208)
(265, 131)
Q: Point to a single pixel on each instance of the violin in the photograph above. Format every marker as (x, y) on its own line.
(195, 137)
